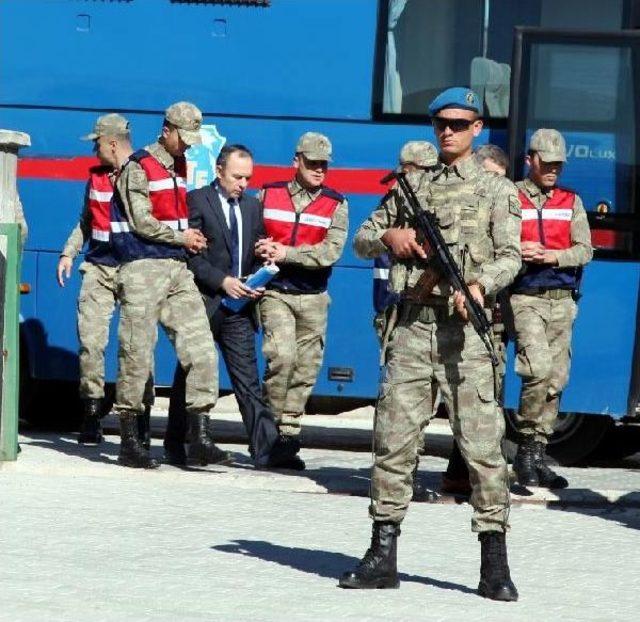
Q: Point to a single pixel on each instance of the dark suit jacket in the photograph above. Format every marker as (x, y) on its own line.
(213, 264)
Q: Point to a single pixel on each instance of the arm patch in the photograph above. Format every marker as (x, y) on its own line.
(514, 206)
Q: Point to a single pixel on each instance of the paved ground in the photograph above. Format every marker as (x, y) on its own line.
(84, 539)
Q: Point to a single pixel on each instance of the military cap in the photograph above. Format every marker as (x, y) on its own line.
(314, 146)
(187, 118)
(108, 125)
(419, 152)
(549, 145)
(456, 97)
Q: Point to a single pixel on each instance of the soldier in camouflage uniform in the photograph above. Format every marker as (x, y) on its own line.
(306, 224)
(97, 299)
(151, 238)
(556, 244)
(418, 158)
(479, 218)
(455, 479)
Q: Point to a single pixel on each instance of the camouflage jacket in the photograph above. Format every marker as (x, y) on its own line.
(133, 189)
(479, 216)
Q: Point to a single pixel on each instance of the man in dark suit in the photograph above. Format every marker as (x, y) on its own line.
(232, 224)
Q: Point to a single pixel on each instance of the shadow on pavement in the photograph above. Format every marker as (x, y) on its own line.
(321, 563)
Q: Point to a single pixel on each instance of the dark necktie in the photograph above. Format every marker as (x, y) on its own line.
(235, 243)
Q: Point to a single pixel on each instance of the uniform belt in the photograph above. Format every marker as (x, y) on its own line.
(553, 294)
(427, 314)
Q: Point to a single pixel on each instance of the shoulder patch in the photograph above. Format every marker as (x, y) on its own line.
(514, 206)
(332, 194)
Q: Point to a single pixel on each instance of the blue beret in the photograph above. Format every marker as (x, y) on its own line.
(456, 97)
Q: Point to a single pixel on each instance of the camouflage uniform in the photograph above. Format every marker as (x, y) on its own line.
(543, 325)
(96, 303)
(159, 290)
(479, 216)
(294, 325)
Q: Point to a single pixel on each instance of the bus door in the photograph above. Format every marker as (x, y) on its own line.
(585, 84)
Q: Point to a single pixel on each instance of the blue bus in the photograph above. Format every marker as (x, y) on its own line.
(362, 72)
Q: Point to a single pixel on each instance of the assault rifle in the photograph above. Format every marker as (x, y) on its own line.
(441, 261)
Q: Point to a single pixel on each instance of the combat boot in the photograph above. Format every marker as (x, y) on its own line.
(524, 464)
(132, 453)
(284, 454)
(495, 578)
(202, 450)
(378, 568)
(546, 477)
(144, 427)
(90, 433)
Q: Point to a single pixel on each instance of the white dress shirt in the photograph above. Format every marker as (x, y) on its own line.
(226, 203)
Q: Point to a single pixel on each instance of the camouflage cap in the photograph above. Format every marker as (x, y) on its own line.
(187, 118)
(314, 146)
(108, 125)
(419, 152)
(549, 145)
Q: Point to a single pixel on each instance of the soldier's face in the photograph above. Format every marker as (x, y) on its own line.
(172, 141)
(543, 174)
(235, 175)
(105, 147)
(455, 129)
(310, 173)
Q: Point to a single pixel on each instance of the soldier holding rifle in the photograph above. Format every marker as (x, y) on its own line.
(478, 218)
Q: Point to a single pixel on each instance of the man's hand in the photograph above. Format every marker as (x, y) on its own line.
(459, 300)
(532, 251)
(64, 269)
(235, 288)
(194, 240)
(271, 252)
(547, 257)
(402, 243)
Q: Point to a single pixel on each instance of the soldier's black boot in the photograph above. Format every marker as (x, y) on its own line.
(284, 454)
(546, 477)
(144, 428)
(495, 578)
(378, 568)
(202, 450)
(90, 433)
(524, 464)
(132, 453)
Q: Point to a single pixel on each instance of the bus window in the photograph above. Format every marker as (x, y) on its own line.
(585, 86)
(429, 45)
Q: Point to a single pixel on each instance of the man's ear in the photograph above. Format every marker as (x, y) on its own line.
(296, 161)
(477, 127)
(527, 160)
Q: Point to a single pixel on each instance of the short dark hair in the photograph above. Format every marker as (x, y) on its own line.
(492, 152)
(227, 150)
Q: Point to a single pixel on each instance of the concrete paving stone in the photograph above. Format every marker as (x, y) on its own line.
(84, 539)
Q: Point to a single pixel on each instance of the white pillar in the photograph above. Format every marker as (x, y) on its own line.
(10, 143)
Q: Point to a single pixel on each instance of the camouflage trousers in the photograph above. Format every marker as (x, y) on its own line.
(163, 290)
(96, 304)
(449, 353)
(294, 328)
(543, 328)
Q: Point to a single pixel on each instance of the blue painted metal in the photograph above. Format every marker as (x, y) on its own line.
(263, 77)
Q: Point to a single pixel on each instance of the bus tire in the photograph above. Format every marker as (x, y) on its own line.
(576, 438)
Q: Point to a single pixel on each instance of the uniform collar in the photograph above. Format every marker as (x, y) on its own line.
(296, 188)
(162, 155)
(533, 190)
(463, 169)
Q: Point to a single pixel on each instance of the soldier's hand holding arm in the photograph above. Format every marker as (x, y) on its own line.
(403, 243)
(64, 269)
(459, 299)
(194, 240)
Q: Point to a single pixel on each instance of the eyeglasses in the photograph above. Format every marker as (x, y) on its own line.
(456, 125)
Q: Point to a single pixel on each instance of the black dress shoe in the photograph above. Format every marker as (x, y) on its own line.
(175, 455)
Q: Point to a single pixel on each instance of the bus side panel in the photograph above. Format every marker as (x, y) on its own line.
(603, 340)
(232, 60)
